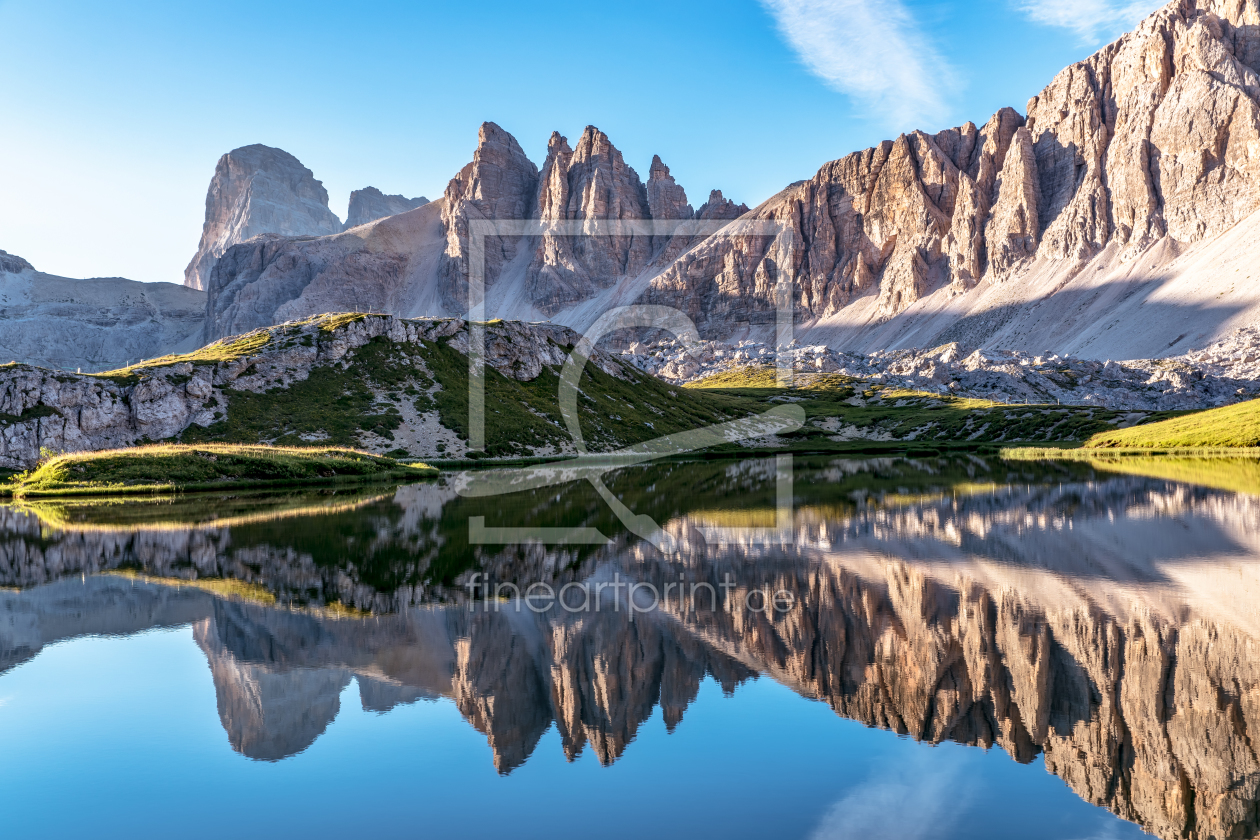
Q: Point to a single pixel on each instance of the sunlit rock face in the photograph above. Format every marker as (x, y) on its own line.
(1107, 220)
(1107, 625)
(257, 189)
(1121, 150)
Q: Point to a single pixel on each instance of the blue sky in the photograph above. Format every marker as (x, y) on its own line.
(112, 115)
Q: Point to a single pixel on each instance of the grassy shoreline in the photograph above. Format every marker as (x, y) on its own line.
(167, 468)
(1088, 453)
(1228, 433)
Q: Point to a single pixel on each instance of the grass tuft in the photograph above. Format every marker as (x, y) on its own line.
(167, 467)
(223, 350)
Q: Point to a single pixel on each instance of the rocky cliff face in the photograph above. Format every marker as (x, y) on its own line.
(1106, 222)
(499, 184)
(257, 189)
(665, 197)
(382, 266)
(589, 183)
(96, 324)
(370, 204)
(895, 221)
(71, 413)
(1146, 141)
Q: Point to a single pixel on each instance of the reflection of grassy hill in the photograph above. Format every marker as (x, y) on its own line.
(1237, 472)
(168, 467)
(373, 541)
(224, 509)
(1237, 475)
(232, 590)
(1234, 426)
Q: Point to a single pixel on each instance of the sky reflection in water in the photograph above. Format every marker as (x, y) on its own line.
(1092, 623)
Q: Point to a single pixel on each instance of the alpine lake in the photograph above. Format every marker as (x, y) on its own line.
(947, 646)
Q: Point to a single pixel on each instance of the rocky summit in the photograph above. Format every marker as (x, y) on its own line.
(370, 204)
(257, 189)
(422, 257)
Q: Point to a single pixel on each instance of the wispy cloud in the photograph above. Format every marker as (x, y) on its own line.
(872, 50)
(922, 798)
(1108, 829)
(1092, 20)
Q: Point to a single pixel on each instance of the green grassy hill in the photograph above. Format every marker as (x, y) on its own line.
(1234, 426)
(166, 467)
(846, 413)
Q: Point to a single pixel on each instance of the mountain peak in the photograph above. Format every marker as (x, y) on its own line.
(370, 204)
(258, 189)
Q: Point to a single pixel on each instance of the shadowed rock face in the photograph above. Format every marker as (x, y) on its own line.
(97, 324)
(257, 189)
(370, 204)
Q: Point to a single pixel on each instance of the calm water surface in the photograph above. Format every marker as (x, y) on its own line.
(954, 648)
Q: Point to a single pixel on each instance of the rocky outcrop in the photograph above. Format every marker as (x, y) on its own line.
(499, 184)
(1011, 231)
(720, 208)
(666, 199)
(98, 324)
(370, 204)
(271, 279)
(1225, 373)
(13, 264)
(383, 266)
(257, 189)
(894, 221)
(64, 412)
(589, 183)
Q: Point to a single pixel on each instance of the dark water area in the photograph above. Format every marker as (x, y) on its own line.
(942, 647)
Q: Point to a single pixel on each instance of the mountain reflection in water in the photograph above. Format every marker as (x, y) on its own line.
(1105, 621)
